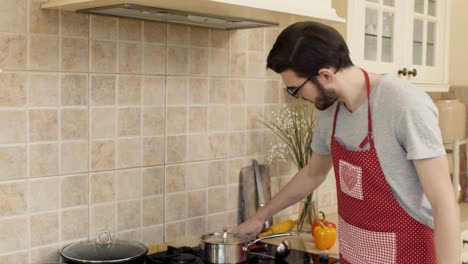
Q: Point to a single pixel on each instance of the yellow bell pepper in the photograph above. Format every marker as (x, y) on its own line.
(324, 236)
(281, 227)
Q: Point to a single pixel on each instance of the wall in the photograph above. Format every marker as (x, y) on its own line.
(136, 127)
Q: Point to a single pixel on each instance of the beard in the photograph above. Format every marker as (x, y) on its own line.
(325, 98)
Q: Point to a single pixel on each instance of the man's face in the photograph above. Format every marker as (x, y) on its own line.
(312, 91)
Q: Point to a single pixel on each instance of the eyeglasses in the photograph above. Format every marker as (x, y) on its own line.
(293, 90)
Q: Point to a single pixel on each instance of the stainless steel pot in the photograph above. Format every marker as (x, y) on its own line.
(230, 248)
(105, 250)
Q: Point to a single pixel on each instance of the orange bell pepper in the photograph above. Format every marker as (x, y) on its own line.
(324, 236)
(323, 221)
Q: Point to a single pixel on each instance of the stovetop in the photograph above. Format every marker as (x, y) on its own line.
(187, 255)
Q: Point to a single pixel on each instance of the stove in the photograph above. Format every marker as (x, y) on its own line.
(188, 255)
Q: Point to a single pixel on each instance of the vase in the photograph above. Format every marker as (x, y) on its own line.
(308, 211)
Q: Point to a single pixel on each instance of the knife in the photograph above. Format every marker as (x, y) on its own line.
(261, 195)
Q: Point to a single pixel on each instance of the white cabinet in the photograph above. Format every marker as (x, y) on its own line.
(408, 38)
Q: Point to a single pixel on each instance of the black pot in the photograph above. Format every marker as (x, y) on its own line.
(108, 251)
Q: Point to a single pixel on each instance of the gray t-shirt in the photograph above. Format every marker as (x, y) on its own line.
(405, 128)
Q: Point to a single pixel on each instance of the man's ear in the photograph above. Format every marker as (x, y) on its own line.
(327, 75)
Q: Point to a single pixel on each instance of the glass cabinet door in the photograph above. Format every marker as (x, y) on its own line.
(425, 19)
(379, 27)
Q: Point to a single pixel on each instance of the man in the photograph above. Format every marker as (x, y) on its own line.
(395, 201)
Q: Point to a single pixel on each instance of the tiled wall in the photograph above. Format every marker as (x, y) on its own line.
(136, 127)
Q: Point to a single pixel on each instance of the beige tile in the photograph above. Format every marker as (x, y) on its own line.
(254, 143)
(198, 147)
(103, 56)
(103, 90)
(153, 180)
(14, 234)
(215, 223)
(176, 149)
(74, 54)
(43, 160)
(102, 187)
(270, 37)
(74, 190)
(12, 89)
(254, 92)
(129, 90)
(130, 29)
(128, 215)
(74, 24)
(256, 39)
(129, 235)
(102, 155)
(239, 40)
(198, 91)
(74, 89)
(128, 184)
(217, 145)
(176, 91)
(153, 210)
(236, 145)
(103, 122)
(18, 257)
(154, 59)
(44, 229)
(254, 115)
(256, 64)
(234, 166)
(176, 120)
(154, 91)
(153, 121)
(237, 89)
(198, 119)
(216, 200)
(43, 194)
(196, 175)
(219, 39)
(217, 173)
(12, 126)
(199, 61)
(75, 224)
(43, 20)
(176, 207)
(153, 151)
(129, 153)
(46, 254)
(196, 227)
(217, 118)
(152, 235)
(199, 37)
(236, 118)
(232, 218)
(175, 178)
(154, 32)
(219, 62)
(13, 52)
(74, 157)
(43, 90)
(44, 53)
(196, 205)
(177, 35)
(43, 125)
(175, 231)
(218, 91)
(13, 162)
(74, 123)
(130, 60)
(104, 27)
(238, 63)
(13, 198)
(232, 197)
(102, 217)
(14, 16)
(129, 121)
(177, 61)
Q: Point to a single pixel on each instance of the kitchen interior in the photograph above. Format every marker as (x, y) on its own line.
(141, 127)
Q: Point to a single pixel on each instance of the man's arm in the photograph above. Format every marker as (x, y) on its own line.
(301, 185)
(435, 178)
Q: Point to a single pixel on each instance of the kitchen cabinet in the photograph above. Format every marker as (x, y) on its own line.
(408, 38)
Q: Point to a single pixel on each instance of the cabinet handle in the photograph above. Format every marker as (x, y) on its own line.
(403, 72)
(414, 72)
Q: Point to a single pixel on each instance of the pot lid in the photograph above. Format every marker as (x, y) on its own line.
(107, 251)
(225, 238)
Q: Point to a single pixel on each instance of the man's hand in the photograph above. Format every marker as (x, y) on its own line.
(251, 227)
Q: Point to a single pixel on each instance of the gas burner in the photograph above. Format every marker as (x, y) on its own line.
(184, 258)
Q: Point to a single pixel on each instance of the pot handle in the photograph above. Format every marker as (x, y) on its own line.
(246, 247)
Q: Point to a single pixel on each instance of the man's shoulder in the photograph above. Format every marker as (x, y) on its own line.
(399, 92)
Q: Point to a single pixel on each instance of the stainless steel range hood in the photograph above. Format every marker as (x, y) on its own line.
(218, 14)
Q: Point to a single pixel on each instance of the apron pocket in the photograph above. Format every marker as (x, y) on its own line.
(360, 246)
(350, 179)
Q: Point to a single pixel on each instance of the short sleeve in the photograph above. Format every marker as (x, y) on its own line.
(320, 143)
(417, 129)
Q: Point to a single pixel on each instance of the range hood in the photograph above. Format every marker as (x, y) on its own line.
(217, 14)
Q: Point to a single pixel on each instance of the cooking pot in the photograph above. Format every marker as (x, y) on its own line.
(230, 248)
(105, 250)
